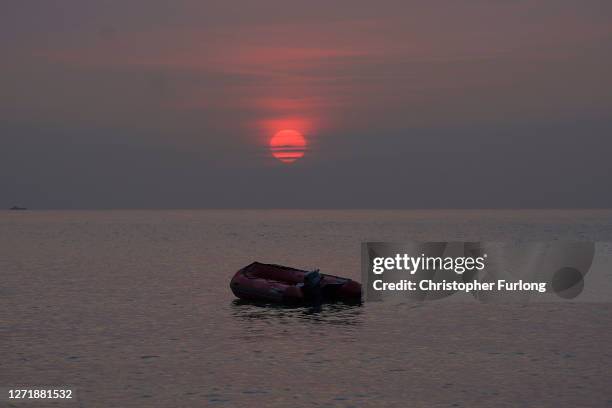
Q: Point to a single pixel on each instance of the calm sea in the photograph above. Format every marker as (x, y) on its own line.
(133, 309)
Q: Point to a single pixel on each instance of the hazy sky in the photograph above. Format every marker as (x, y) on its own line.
(416, 104)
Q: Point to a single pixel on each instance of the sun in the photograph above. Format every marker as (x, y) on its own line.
(288, 145)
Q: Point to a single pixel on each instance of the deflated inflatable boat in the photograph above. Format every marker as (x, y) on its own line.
(281, 284)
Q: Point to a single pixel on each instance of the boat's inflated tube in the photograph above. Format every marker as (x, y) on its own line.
(281, 284)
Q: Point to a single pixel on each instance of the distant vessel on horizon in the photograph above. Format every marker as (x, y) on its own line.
(17, 208)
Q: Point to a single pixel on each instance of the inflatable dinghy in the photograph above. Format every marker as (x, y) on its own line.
(270, 283)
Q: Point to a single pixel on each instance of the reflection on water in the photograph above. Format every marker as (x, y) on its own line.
(328, 314)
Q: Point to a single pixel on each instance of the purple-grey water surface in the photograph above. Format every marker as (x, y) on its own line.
(133, 309)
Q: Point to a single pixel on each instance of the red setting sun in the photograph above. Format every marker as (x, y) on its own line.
(288, 145)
